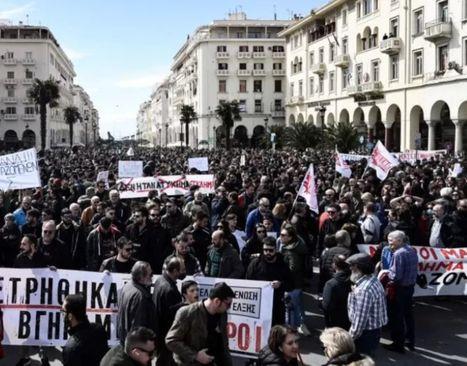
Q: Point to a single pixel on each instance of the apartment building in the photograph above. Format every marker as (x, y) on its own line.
(234, 59)
(29, 52)
(396, 69)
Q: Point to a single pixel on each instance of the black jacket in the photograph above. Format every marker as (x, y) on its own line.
(23, 261)
(74, 239)
(458, 230)
(56, 254)
(10, 238)
(96, 252)
(135, 308)
(269, 358)
(86, 346)
(166, 297)
(350, 359)
(335, 294)
(230, 265)
(117, 357)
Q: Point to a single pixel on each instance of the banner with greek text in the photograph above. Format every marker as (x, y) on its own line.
(180, 184)
(136, 187)
(445, 270)
(31, 300)
(411, 156)
(19, 170)
(353, 157)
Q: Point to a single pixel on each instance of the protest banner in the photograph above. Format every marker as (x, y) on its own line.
(200, 164)
(411, 156)
(130, 168)
(103, 176)
(445, 270)
(353, 157)
(308, 190)
(19, 170)
(180, 184)
(31, 300)
(136, 187)
(382, 161)
(456, 170)
(342, 167)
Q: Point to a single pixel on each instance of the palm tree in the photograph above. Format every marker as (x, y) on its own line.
(228, 113)
(43, 93)
(302, 135)
(343, 135)
(72, 116)
(280, 133)
(187, 114)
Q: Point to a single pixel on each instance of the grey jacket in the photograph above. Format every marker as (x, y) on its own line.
(188, 335)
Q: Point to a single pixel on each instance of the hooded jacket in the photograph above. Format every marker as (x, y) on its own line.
(95, 253)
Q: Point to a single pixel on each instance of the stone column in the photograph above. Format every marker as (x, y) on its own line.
(388, 135)
(431, 134)
(458, 137)
(370, 127)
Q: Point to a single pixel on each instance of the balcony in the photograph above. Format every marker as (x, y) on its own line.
(258, 109)
(222, 55)
(438, 30)
(29, 62)
(9, 61)
(354, 90)
(319, 68)
(243, 72)
(278, 55)
(222, 72)
(10, 81)
(259, 54)
(391, 46)
(244, 55)
(279, 113)
(27, 81)
(278, 72)
(295, 100)
(28, 117)
(10, 100)
(10, 117)
(342, 61)
(372, 87)
(259, 72)
(28, 101)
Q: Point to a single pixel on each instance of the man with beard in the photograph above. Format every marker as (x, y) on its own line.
(29, 257)
(32, 225)
(459, 225)
(223, 260)
(182, 251)
(10, 237)
(201, 237)
(174, 220)
(87, 343)
(55, 252)
(163, 244)
(101, 244)
(366, 304)
(71, 234)
(270, 266)
(122, 211)
(256, 216)
(122, 262)
(166, 297)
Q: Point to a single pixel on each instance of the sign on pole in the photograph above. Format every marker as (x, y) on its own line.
(19, 170)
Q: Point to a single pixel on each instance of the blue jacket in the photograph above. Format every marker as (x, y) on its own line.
(20, 217)
(254, 218)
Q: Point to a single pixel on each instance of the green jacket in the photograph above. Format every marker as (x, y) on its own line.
(188, 335)
(294, 255)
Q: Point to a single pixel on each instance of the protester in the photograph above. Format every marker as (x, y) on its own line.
(282, 348)
(223, 261)
(123, 262)
(29, 256)
(101, 244)
(10, 237)
(191, 264)
(54, 251)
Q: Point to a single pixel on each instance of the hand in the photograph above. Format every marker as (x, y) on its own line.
(203, 358)
(53, 268)
(107, 272)
(276, 284)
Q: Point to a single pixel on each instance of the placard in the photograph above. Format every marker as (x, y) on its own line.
(130, 168)
(19, 170)
(200, 164)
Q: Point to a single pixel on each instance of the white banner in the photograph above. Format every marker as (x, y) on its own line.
(130, 168)
(382, 161)
(180, 184)
(19, 170)
(342, 167)
(410, 156)
(136, 187)
(200, 164)
(445, 269)
(31, 300)
(308, 189)
(103, 177)
(353, 157)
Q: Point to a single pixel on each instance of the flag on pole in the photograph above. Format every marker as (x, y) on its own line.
(342, 167)
(382, 161)
(308, 190)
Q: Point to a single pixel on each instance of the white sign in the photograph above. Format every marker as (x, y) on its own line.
(31, 300)
(353, 157)
(130, 168)
(136, 187)
(456, 170)
(308, 190)
(342, 167)
(130, 152)
(242, 160)
(180, 184)
(411, 156)
(19, 170)
(382, 161)
(103, 177)
(200, 164)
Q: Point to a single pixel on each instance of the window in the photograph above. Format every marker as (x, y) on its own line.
(418, 21)
(258, 66)
(443, 11)
(331, 81)
(321, 55)
(257, 86)
(464, 42)
(277, 66)
(312, 86)
(10, 75)
(29, 74)
(464, 9)
(443, 55)
(9, 55)
(10, 110)
(291, 89)
(222, 86)
(321, 84)
(28, 55)
(242, 48)
(417, 62)
(300, 88)
(52, 59)
(344, 17)
(359, 73)
(10, 91)
(242, 86)
(375, 70)
(242, 105)
(394, 27)
(29, 110)
(394, 70)
(376, 5)
(258, 48)
(277, 48)
(277, 104)
(366, 5)
(345, 78)
(312, 58)
(222, 66)
(331, 52)
(242, 66)
(359, 10)
(345, 46)
(221, 48)
(258, 106)
(277, 86)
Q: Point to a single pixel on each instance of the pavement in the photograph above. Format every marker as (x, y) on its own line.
(441, 337)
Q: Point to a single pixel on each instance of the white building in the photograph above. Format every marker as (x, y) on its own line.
(29, 52)
(235, 59)
(395, 68)
(85, 131)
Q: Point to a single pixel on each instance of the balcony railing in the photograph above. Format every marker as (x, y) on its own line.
(222, 72)
(10, 100)
(278, 72)
(27, 81)
(10, 81)
(29, 61)
(354, 89)
(222, 55)
(278, 55)
(10, 117)
(28, 101)
(259, 72)
(318, 68)
(280, 113)
(438, 29)
(259, 55)
(9, 61)
(372, 87)
(295, 100)
(244, 72)
(391, 46)
(342, 61)
(28, 117)
(244, 55)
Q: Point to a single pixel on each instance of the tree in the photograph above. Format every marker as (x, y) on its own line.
(72, 116)
(228, 113)
(43, 93)
(302, 135)
(342, 135)
(187, 114)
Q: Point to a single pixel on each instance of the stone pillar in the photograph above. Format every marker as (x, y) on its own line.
(431, 134)
(388, 135)
(370, 127)
(458, 137)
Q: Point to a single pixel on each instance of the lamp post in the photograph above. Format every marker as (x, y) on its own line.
(166, 134)
(94, 129)
(322, 112)
(160, 137)
(266, 120)
(214, 137)
(181, 134)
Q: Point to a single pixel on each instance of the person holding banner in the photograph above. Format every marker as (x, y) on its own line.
(55, 252)
(29, 257)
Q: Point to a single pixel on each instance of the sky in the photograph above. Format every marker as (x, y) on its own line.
(122, 48)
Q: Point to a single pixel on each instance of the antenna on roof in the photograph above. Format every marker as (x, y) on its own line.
(27, 19)
(275, 14)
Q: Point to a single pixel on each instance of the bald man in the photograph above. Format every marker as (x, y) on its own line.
(55, 252)
(223, 260)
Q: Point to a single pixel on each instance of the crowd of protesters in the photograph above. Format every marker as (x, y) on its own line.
(252, 227)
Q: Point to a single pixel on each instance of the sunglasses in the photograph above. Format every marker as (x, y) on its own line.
(48, 231)
(149, 353)
(332, 212)
(268, 250)
(155, 215)
(260, 231)
(128, 250)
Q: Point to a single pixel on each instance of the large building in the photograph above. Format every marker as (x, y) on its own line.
(235, 59)
(396, 69)
(29, 52)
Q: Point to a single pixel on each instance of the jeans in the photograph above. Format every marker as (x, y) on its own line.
(401, 320)
(296, 314)
(368, 341)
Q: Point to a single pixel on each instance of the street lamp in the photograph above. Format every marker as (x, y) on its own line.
(266, 120)
(94, 129)
(160, 137)
(166, 134)
(322, 112)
